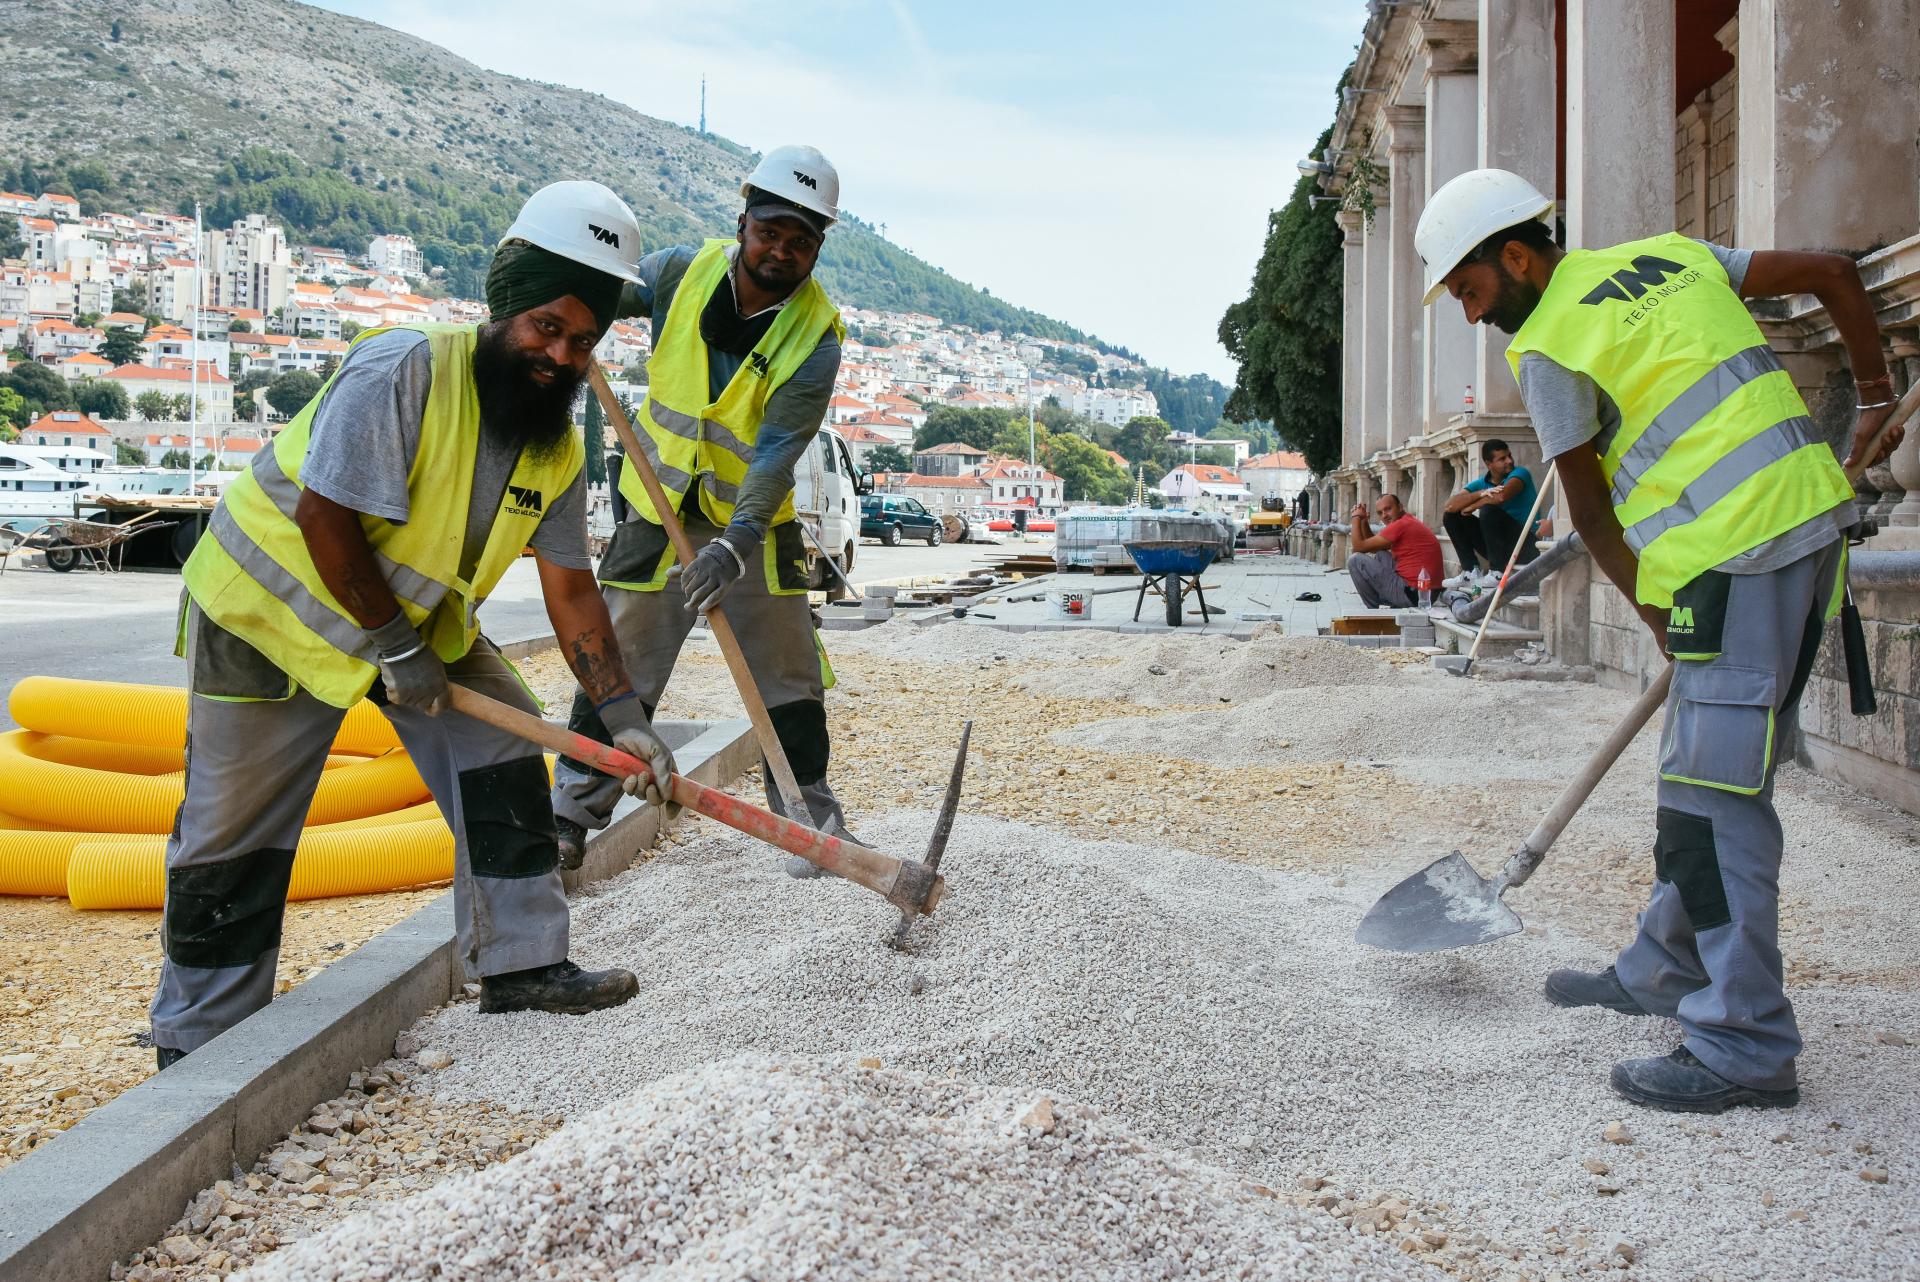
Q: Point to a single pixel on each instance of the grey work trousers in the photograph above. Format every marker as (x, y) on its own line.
(251, 772)
(776, 635)
(1708, 951)
(1377, 581)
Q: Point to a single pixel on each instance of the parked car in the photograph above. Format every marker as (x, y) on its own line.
(894, 519)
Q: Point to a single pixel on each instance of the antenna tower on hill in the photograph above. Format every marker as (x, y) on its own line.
(703, 106)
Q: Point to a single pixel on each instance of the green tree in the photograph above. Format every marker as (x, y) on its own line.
(1142, 440)
(101, 399)
(11, 246)
(888, 458)
(13, 411)
(975, 427)
(155, 407)
(40, 387)
(245, 408)
(349, 330)
(240, 325)
(174, 459)
(122, 346)
(1085, 470)
(127, 456)
(132, 299)
(182, 406)
(253, 380)
(1286, 333)
(289, 393)
(595, 434)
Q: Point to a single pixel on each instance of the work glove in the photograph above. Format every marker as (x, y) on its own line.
(714, 569)
(625, 718)
(412, 672)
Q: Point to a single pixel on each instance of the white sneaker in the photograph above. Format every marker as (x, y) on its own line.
(1463, 579)
(1489, 580)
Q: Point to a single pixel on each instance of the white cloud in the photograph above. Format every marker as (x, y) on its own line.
(1142, 237)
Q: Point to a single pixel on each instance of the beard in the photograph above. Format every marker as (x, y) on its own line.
(1513, 303)
(517, 411)
(774, 280)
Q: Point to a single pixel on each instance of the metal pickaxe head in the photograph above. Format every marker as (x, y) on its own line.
(937, 845)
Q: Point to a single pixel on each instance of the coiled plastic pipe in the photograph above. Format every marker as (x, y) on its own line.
(154, 716)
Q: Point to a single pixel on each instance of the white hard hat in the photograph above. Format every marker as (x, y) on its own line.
(583, 221)
(801, 176)
(1465, 211)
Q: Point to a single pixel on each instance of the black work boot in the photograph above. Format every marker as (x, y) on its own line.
(166, 1057)
(1679, 1083)
(562, 989)
(1581, 988)
(572, 840)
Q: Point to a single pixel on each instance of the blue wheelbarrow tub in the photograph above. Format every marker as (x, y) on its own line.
(1182, 558)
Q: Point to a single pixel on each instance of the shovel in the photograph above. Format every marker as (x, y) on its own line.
(1449, 905)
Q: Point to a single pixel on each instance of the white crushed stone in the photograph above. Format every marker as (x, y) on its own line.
(1225, 1009)
(1185, 670)
(955, 641)
(1429, 727)
(758, 1169)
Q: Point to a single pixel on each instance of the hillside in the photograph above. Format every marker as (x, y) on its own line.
(343, 128)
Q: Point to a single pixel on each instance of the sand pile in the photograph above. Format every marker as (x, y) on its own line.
(757, 1169)
(1177, 670)
(1225, 1010)
(1428, 727)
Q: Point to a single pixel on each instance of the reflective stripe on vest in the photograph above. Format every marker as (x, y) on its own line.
(1715, 452)
(691, 438)
(255, 578)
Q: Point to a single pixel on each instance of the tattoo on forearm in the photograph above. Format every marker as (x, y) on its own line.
(595, 661)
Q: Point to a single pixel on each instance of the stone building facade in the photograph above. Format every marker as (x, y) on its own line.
(1790, 124)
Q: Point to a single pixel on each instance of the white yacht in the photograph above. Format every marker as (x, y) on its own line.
(42, 481)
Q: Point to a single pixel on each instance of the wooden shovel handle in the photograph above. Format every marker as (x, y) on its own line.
(908, 885)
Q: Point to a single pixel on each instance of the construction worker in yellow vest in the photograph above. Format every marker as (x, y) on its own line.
(746, 346)
(349, 562)
(1703, 488)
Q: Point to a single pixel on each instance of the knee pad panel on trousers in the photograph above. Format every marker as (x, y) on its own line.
(801, 727)
(226, 914)
(1684, 854)
(509, 817)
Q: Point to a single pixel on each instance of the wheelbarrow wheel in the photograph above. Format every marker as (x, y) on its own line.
(63, 558)
(1172, 595)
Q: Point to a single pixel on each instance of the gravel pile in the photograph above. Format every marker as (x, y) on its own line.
(1224, 1010)
(757, 1169)
(1429, 727)
(1183, 670)
(957, 642)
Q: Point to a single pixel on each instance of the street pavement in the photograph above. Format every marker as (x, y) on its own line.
(120, 627)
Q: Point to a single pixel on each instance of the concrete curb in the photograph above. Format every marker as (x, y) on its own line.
(114, 1183)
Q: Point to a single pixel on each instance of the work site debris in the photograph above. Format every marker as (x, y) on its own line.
(767, 1169)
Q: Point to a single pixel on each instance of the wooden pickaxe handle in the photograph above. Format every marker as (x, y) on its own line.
(907, 884)
(783, 779)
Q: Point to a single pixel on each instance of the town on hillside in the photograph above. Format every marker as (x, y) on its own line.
(228, 332)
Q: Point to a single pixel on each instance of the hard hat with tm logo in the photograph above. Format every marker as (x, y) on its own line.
(801, 176)
(583, 221)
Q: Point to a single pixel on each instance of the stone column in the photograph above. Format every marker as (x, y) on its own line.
(1827, 156)
(1516, 132)
(1449, 51)
(1406, 153)
(1620, 89)
(1352, 321)
(1375, 360)
(1904, 466)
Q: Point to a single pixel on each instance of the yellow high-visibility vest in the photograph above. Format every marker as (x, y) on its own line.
(690, 438)
(1715, 452)
(252, 575)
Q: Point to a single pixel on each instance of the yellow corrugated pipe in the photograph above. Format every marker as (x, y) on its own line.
(130, 872)
(154, 716)
(82, 798)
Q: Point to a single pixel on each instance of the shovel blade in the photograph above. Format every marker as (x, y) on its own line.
(1444, 905)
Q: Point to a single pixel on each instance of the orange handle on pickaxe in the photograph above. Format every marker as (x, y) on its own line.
(908, 884)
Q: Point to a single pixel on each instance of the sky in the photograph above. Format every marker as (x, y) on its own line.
(1109, 164)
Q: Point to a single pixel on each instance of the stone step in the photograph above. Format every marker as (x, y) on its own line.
(1502, 638)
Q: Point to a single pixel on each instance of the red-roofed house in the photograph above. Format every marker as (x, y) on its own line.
(216, 390)
(896, 430)
(67, 427)
(82, 365)
(941, 495)
(1282, 473)
(861, 441)
(951, 459)
(844, 409)
(1198, 481)
(1016, 483)
(54, 338)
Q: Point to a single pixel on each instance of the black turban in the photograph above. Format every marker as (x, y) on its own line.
(525, 276)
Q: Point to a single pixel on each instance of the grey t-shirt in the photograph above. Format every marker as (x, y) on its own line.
(1569, 409)
(367, 430)
(795, 409)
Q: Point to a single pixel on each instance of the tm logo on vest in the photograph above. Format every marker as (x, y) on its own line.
(527, 501)
(1633, 282)
(604, 236)
(758, 360)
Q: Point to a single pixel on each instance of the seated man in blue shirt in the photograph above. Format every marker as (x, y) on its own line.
(1485, 519)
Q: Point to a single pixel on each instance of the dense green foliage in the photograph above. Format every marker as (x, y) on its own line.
(101, 399)
(290, 392)
(1072, 447)
(39, 388)
(888, 458)
(1286, 332)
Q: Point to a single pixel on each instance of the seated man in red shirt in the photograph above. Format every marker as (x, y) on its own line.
(1386, 567)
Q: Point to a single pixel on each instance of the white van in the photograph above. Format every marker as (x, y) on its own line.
(826, 493)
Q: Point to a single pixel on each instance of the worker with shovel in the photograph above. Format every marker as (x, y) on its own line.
(746, 346)
(1704, 490)
(349, 561)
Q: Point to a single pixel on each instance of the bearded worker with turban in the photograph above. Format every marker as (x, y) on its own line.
(349, 562)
